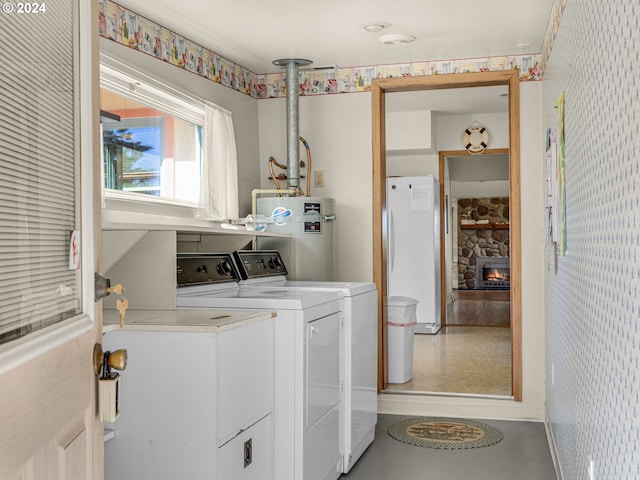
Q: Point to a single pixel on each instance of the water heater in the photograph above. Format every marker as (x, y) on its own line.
(309, 254)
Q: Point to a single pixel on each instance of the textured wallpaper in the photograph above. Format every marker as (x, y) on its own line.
(592, 296)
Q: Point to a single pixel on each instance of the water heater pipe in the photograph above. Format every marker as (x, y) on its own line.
(256, 191)
(273, 173)
(306, 146)
(273, 161)
(293, 87)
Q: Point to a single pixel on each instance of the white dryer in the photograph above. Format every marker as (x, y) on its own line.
(307, 339)
(359, 350)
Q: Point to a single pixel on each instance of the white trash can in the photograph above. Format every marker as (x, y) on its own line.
(401, 320)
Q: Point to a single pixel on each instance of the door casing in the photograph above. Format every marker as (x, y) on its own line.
(379, 87)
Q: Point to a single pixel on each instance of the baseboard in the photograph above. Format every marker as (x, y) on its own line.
(460, 406)
(426, 328)
(552, 445)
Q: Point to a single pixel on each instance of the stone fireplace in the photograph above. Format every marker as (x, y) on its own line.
(484, 233)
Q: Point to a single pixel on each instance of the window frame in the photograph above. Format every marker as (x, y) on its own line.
(123, 79)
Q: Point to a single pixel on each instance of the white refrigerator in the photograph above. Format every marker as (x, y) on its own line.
(413, 246)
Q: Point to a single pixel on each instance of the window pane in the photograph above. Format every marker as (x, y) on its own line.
(39, 172)
(148, 151)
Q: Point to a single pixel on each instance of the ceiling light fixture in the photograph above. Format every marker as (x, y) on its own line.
(397, 39)
(375, 27)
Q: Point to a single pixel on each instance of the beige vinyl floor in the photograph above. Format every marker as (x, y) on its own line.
(461, 359)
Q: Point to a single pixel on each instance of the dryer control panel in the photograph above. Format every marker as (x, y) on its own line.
(205, 268)
(259, 263)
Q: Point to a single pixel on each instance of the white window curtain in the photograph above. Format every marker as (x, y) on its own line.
(219, 189)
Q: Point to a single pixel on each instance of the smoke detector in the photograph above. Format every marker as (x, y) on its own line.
(397, 39)
(375, 27)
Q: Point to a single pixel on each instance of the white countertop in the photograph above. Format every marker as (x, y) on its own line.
(206, 320)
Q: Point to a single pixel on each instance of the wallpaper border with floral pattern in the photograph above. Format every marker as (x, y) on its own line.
(121, 25)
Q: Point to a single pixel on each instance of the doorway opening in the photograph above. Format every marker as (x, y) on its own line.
(380, 87)
(471, 354)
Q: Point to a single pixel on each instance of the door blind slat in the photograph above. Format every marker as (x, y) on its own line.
(39, 186)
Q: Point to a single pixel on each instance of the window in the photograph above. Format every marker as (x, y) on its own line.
(152, 138)
(41, 196)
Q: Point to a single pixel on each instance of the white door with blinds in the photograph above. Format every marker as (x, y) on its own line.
(49, 322)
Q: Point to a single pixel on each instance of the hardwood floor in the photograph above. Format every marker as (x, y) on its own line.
(479, 307)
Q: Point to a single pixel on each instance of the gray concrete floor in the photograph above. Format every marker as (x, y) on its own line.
(523, 454)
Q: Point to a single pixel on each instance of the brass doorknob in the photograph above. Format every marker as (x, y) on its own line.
(116, 359)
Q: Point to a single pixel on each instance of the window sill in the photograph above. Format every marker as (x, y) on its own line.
(136, 202)
(142, 212)
(126, 212)
(119, 220)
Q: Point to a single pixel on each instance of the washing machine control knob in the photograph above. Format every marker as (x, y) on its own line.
(224, 268)
(275, 262)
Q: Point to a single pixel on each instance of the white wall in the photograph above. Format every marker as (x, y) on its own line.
(412, 165)
(338, 129)
(449, 129)
(532, 234)
(244, 108)
(495, 188)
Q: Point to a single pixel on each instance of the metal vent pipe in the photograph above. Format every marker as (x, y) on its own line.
(293, 135)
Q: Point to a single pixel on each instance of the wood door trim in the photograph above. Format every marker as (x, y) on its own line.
(379, 87)
(379, 234)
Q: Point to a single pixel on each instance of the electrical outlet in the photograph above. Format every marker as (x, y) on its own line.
(318, 178)
(592, 468)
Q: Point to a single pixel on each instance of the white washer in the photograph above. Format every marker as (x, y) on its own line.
(359, 351)
(307, 339)
(198, 385)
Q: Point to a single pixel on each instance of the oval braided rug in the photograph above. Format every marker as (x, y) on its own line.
(445, 433)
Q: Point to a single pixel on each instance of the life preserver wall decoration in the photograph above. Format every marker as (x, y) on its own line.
(475, 138)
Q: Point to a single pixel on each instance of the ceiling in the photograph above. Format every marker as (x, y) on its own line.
(253, 33)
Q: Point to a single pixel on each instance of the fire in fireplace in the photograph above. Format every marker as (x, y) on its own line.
(492, 273)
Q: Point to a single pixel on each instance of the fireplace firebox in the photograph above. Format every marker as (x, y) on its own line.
(493, 273)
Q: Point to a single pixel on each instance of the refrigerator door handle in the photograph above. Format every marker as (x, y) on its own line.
(391, 242)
